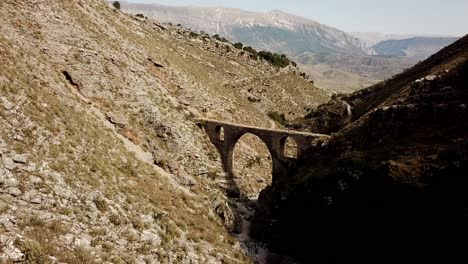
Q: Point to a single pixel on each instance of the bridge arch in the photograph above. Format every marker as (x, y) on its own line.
(289, 147)
(275, 140)
(220, 132)
(252, 165)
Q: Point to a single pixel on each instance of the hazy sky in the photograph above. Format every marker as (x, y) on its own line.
(388, 16)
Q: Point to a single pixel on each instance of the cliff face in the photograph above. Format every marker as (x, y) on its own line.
(391, 184)
(101, 159)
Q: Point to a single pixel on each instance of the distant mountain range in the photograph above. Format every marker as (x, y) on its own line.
(273, 30)
(372, 38)
(366, 56)
(417, 47)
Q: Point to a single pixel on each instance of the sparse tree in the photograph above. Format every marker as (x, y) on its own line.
(238, 45)
(116, 4)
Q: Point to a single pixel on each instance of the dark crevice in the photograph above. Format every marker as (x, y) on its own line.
(155, 64)
(70, 80)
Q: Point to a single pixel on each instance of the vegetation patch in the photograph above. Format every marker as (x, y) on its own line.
(279, 60)
(219, 38)
(279, 118)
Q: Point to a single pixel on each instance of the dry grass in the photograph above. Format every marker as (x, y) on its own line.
(90, 156)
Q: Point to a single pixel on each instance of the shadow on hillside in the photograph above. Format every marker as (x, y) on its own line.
(379, 221)
(244, 210)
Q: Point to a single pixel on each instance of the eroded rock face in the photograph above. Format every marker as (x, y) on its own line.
(396, 175)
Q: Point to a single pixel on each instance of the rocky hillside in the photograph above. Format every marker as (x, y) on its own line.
(101, 158)
(391, 183)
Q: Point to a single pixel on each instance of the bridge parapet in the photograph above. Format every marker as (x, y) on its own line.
(224, 136)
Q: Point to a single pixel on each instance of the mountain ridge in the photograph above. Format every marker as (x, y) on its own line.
(223, 20)
(372, 38)
(416, 47)
(325, 50)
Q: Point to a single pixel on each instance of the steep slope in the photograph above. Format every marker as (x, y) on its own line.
(391, 184)
(101, 158)
(418, 47)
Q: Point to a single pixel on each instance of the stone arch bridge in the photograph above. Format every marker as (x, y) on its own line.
(225, 135)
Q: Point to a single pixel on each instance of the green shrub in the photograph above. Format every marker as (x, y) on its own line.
(193, 34)
(140, 15)
(279, 60)
(34, 252)
(116, 4)
(222, 39)
(101, 204)
(115, 219)
(279, 118)
(238, 45)
(250, 49)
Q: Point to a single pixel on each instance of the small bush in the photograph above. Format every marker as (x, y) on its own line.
(116, 4)
(137, 223)
(280, 118)
(34, 252)
(238, 45)
(115, 219)
(193, 34)
(304, 75)
(101, 204)
(140, 15)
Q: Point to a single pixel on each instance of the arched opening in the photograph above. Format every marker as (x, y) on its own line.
(289, 147)
(252, 165)
(220, 133)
